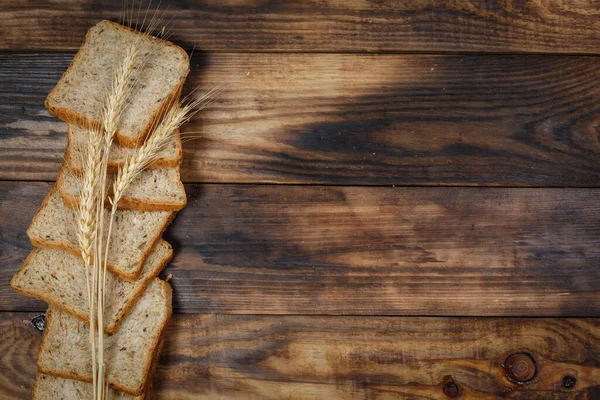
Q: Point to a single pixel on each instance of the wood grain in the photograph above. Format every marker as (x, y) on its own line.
(364, 251)
(551, 26)
(19, 348)
(27, 131)
(352, 120)
(303, 357)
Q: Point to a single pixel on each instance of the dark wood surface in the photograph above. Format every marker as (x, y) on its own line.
(324, 357)
(333, 242)
(248, 249)
(551, 26)
(352, 119)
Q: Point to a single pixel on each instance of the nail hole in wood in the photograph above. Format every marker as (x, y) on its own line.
(39, 322)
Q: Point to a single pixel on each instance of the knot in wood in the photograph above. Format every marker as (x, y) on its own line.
(520, 367)
(450, 387)
(569, 381)
(451, 390)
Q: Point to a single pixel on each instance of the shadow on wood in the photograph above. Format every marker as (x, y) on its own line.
(353, 120)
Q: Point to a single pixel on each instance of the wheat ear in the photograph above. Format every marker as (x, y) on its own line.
(145, 155)
(87, 228)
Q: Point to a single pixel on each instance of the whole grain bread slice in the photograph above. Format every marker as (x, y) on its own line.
(79, 95)
(134, 233)
(157, 189)
(78, 138)
(129, 354)
(49, 387)
(59, 278)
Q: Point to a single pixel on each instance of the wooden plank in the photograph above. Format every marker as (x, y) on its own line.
(18, 353)
(326, 26)
(364, 251)
(32, 142)
(18, 203)
(352, 119)
(302, 357)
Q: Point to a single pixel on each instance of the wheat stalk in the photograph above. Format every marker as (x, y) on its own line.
(146, 153)
(90, 212)
(94, 244)
(124, 80)
(87, 225)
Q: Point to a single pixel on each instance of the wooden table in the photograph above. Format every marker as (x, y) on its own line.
(401, 200)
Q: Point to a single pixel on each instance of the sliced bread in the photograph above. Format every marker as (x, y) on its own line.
(134, 233)
(77, 143)
(58, 278)
(48, 387)
(129, 353)
(157, 189)
(79, 95)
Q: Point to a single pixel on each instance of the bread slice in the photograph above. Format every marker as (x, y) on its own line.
(128, 354)
(48, 387)
(157, 189)
(77, 143)
(58, 278)
(134, 233)
(78, 97)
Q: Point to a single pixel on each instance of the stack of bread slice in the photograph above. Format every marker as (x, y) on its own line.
(137, 303)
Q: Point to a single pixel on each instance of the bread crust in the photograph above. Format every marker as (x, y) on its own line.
(35, 386)
(74, 117)
(147, 368)
(113, 166)
(126, 202)
(46, 299)
(127, 275)
(113, 326)
(34, 391)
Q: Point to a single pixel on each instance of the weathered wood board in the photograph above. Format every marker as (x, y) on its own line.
(285, 249)
(378, 191)
(303, 357)
(352, 119)
(463, 26)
